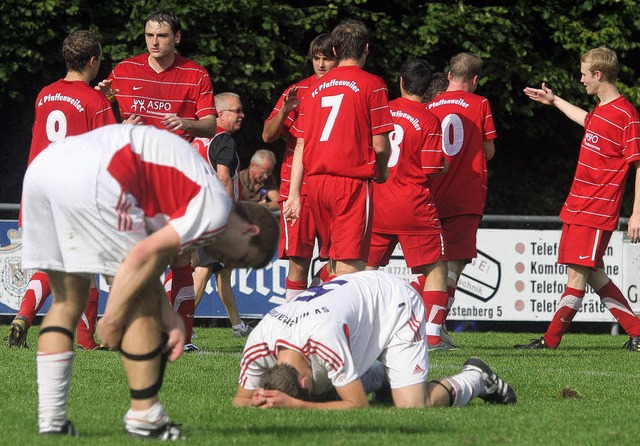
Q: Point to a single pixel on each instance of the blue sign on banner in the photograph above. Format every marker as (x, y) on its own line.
(256, 291)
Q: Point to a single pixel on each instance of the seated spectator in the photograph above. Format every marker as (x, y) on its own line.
(257, 182)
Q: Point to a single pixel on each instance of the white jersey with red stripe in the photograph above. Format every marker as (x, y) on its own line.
(341, 328)
(93, 196)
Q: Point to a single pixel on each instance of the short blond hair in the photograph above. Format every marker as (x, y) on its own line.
(604, 60)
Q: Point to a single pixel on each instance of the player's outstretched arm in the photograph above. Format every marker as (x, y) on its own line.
(545, 95)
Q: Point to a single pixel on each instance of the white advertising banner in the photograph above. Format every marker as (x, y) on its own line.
(514, 278)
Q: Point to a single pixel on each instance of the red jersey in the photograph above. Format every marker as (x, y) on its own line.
(403, 204)
(338, 117)
(466, 123)
(610, 144)
(184, 89)
(67, 108)
(287, 159)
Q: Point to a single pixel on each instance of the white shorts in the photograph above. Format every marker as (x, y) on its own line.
(66, 222)
(406, 356)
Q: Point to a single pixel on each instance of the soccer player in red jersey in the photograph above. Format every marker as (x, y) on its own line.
(610, 146)
(296, 240)
(168, 91)
(403, 208)
(163, 88)
(468, 134)
(343, 143)
(67, 107)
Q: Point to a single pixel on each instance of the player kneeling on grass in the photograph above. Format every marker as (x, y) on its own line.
(122, 201)
(331, 335)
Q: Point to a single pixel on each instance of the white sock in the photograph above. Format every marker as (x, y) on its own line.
(466, 385)
(53, 377)
(240, 326)
(149, 419)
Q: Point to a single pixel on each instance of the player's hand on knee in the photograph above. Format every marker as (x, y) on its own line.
(174, 326)
(109, 333)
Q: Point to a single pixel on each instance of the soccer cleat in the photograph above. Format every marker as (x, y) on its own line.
(242, 332)
(442, 345)
(18, 332)
(446, 337)
(632, 344)
(166, 432)
(535, 344)
(191, 348)
(495, 390)
(66, 429)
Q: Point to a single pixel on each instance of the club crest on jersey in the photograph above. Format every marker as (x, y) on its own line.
(13, 280)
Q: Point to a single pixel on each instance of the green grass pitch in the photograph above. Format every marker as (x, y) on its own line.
(585, 393)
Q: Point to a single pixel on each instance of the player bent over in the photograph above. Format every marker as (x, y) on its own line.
(330, 336)
(98, 203)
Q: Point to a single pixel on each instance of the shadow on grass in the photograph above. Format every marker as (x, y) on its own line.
(365, 427)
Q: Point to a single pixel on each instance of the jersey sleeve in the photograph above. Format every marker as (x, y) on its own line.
(488, 126)
(256, 358)
(103, 114)
(334, 353)
(631, 138)
(431, 153)
(379, 112)
(205, 105)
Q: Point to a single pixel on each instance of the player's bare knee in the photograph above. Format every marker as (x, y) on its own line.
(439, 393)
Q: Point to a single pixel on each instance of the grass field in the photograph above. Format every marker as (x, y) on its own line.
(198, 390)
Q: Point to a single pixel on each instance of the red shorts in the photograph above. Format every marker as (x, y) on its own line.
(341, 209)
(460, 236)
(582, 245)
(418, 250)
(297, 240)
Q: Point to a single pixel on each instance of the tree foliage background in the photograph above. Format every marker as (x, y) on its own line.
(258, 47)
